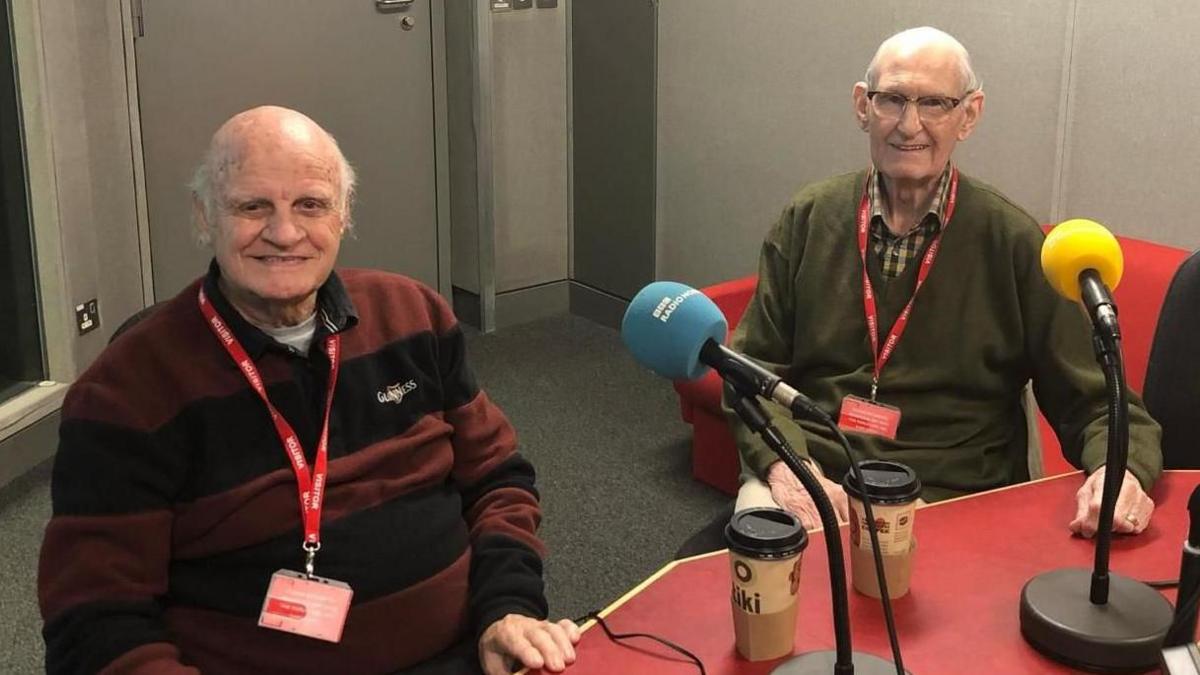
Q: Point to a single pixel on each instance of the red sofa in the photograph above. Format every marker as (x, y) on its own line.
(1139, 297)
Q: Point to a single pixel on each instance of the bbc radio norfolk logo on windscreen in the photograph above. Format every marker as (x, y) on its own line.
(668, 305)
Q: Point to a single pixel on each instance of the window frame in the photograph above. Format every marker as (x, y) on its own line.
(29, 407)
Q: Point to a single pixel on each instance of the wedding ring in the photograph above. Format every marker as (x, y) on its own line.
(1132, 519)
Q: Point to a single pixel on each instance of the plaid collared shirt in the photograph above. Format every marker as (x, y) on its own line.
(896, 251)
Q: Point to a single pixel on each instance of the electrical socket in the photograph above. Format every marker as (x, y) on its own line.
(87, 316)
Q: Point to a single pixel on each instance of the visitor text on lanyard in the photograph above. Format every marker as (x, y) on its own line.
(310, 481)
(882, 355)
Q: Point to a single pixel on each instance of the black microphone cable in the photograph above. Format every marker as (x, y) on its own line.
(766, 428)
(619, 638)
(751, 412)
(804, 406)
(884, 596)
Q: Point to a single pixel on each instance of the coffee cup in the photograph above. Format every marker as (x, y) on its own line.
(893, 489)
(765, 550)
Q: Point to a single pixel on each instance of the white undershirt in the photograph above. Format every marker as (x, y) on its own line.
(298, 337)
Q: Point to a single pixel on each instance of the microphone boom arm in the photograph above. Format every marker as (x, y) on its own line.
(1100, 308)
(751, 412)
(1109, 356)
(749, 379)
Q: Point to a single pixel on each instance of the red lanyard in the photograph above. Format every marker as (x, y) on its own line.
(893, 338)
(309, 483)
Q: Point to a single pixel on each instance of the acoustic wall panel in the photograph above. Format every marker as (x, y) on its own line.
(1134, 120)
(754, 100)
(613, 76)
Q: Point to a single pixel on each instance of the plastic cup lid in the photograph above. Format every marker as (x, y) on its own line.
(765, 532)
(887, 482)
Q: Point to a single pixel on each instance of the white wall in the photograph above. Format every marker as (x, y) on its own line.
(464, 211)
(1088, 113)
(1134, 119)
(530, 146)
(87, 111)
(520, 238)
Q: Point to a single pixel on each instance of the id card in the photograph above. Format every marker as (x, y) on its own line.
(314, 608)
(868, 417)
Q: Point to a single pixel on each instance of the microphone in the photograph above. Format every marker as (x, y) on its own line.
(677, 331)
(1066, 613)
(1082, 261)
(1183, 627)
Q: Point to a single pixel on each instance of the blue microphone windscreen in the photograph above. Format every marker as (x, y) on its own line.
(666, 325)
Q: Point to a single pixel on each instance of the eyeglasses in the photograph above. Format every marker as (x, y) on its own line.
(890, 105)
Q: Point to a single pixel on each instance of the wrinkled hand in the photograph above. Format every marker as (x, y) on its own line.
(529, 642)
(789, 494)
(1131, 515)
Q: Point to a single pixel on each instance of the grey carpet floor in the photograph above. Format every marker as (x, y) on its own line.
(24, 510)
(611, 453)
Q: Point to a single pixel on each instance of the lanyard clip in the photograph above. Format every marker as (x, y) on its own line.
(310, 554)
(874, 388)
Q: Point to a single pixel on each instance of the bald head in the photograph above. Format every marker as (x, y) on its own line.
(932, 43)
(268, 129)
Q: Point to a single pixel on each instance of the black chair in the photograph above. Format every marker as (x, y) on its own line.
(709, 538)
(1172, 389)
(133, 320)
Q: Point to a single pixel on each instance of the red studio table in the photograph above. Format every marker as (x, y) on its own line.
(974, 555)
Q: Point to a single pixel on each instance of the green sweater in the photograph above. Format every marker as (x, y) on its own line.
(984, 324)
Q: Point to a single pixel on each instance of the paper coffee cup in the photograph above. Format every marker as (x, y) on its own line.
(893, 489)
(765, 550)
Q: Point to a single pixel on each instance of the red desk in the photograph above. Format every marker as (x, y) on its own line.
(960, 616)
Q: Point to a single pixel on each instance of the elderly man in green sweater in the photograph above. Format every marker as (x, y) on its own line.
(909, 298)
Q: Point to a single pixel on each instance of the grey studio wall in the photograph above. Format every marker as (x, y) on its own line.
(629, 140)
(1089, 113)
(508, 117)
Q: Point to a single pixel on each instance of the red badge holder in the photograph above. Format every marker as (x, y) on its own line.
(869, 417)
(314, 607)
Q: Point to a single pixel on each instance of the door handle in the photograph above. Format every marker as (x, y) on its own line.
(392, 4)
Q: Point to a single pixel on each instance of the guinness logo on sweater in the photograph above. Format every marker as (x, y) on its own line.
(395, 392)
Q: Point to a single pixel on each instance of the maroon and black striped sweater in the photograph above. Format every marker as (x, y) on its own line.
(174, 501)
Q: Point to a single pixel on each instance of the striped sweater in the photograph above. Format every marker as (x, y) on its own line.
(174, 502)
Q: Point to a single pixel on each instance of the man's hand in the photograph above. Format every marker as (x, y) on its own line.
(1131, 515)
(529, 642)
(789, 494)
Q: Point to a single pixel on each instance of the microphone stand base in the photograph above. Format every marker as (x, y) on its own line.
(821, 663)
(1125, 635)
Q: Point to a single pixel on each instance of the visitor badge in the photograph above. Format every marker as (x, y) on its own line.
(310, 606)
(869, 417)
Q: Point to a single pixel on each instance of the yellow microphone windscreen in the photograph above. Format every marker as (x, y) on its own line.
(1077, 245)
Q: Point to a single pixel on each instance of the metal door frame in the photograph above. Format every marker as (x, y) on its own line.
(482, 95)
(130, 14)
